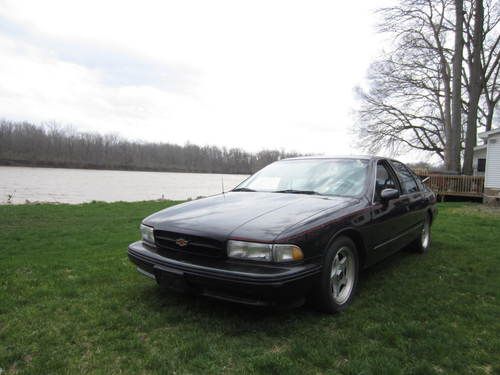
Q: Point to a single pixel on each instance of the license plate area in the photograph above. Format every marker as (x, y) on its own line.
(171, 278)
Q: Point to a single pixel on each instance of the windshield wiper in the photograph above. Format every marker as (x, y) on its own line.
(243, 189)
(293, 191)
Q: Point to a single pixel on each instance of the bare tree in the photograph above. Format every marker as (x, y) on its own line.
(422, 85)
(408, 105)
(475, 84)
(490, 62)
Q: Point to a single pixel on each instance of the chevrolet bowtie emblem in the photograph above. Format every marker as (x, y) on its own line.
(181, 242)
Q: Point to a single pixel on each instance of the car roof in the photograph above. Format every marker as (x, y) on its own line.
(360, 157)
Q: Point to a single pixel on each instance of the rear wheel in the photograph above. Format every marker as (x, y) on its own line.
(423, 242)
(339, 277)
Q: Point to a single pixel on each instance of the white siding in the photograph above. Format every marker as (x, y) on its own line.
(492, 175)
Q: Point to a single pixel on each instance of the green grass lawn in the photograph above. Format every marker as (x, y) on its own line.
(71, 302)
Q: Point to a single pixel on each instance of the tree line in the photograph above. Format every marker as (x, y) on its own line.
(438, 83)
(23, 143)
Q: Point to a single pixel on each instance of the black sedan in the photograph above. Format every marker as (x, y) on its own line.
(298, 228)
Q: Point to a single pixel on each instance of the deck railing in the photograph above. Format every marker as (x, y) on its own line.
(459, 185)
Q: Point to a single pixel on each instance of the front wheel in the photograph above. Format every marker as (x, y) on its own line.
(339, 277)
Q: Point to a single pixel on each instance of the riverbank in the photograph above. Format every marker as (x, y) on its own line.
(97, 167)
(71, 302)
(19, 185)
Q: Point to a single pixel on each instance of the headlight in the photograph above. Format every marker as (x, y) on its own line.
(147, 234)
(262, 251)
(249, 250)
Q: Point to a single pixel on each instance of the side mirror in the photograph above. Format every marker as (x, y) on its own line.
(388, 194)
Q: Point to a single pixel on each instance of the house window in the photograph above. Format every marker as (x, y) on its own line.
(481, 165)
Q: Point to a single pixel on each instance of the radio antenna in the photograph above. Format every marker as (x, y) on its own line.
(222, 183)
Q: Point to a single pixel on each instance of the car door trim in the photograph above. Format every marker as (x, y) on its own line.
(413, 228)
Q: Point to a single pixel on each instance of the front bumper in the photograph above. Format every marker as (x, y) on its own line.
(227, 279)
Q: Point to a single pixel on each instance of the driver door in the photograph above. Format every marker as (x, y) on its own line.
(388, 218)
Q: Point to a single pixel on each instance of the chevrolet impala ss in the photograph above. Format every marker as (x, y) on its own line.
(301, 227)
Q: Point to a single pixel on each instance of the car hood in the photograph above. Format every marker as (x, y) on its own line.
(247, 215)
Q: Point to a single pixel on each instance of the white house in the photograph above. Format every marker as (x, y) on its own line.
(487, 163)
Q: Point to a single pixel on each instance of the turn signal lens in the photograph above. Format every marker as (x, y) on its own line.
(287, 253)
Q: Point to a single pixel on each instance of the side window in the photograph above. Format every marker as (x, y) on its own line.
(421, 185)
(408, 184)
(384, 180)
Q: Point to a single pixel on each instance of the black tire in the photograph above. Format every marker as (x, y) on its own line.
(324, 292)
(421, 244)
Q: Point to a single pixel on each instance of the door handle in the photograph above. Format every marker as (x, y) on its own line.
(406, 203)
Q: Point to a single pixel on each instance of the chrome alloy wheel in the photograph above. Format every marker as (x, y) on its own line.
(426, 234)
(342, 275)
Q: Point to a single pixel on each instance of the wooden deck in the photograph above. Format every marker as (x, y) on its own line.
(455, 185)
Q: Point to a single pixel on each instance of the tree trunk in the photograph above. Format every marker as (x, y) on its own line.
(449, 159)
(456, 110)
(489, 115)
(475, 83)
(448, 151)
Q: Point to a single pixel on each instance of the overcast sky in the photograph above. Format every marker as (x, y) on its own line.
(249, 74)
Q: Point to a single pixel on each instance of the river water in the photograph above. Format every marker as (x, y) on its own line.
(22, 184)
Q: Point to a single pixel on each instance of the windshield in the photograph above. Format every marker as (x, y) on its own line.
(345, 177)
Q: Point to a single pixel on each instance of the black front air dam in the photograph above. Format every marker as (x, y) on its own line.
(229, 280)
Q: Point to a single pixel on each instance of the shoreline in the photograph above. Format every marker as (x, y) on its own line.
(27, 202)
(42, 164)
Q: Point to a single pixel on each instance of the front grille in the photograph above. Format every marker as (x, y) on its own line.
(195, 245)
